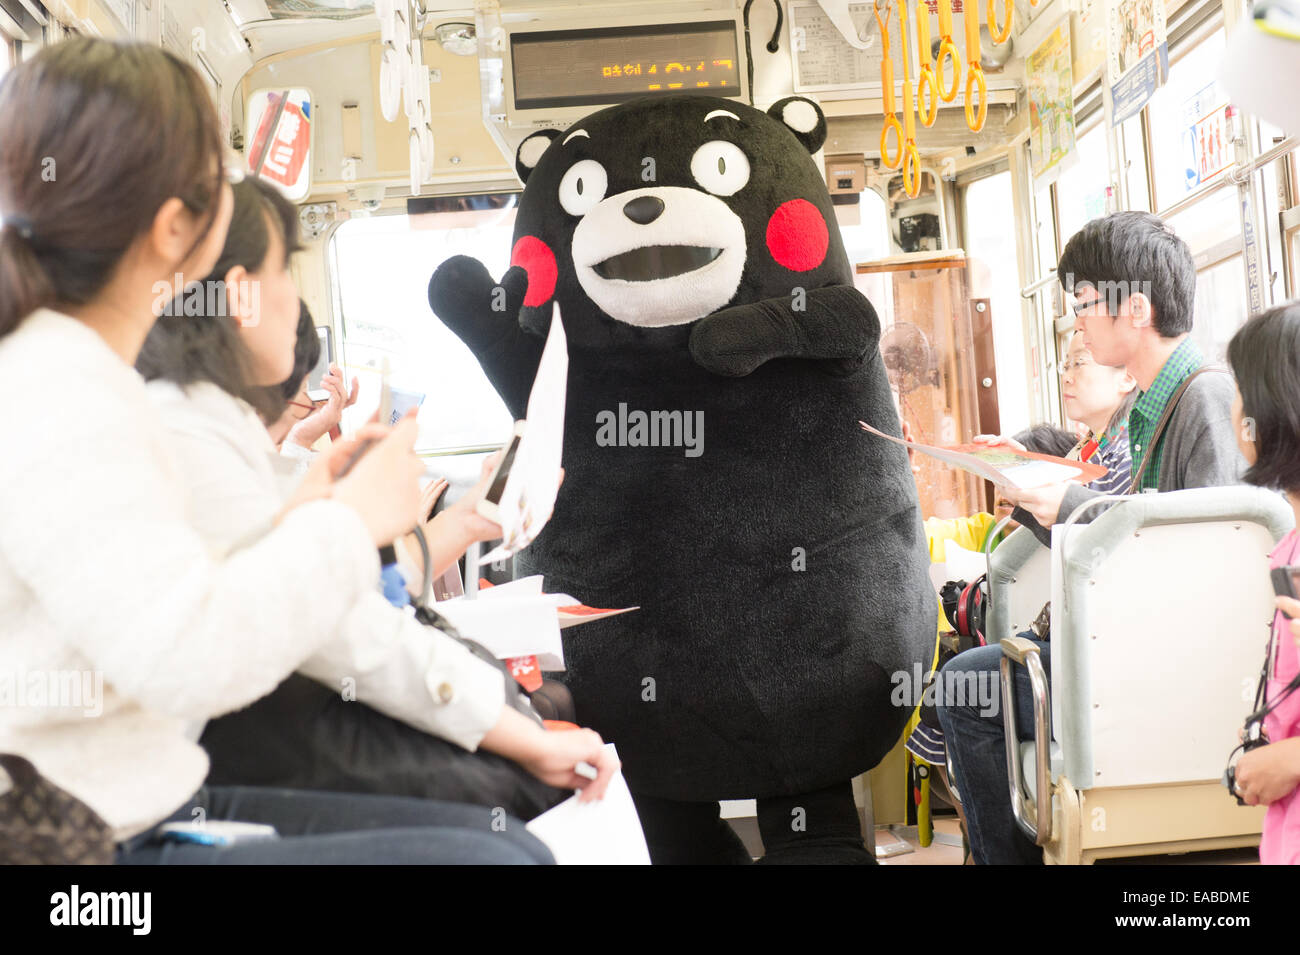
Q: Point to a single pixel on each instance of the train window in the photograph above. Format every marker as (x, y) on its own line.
(1221, 306)
(994, 275)
(381, 268)
(1081, 189)
(868, 238)
(1133, 147)
(1189, 136)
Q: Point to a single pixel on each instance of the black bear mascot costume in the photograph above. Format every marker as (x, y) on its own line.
(716, 476)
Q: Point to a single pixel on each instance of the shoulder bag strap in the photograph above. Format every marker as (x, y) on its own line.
(1136, 484)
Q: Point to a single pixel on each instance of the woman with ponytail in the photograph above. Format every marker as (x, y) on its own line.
(113, 198)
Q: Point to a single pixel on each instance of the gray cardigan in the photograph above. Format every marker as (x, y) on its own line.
(1200, 450)
(1200, 447)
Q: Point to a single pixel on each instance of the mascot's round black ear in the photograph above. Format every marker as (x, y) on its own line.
(530, 151)
(802, 117)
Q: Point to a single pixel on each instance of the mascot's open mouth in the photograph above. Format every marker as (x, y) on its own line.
(656, 262)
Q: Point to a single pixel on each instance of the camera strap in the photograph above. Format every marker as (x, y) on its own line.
(1262, 706)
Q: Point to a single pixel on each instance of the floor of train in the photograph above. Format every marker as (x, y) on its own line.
(899, 845)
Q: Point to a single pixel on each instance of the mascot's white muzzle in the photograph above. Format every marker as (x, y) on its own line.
(660, 256)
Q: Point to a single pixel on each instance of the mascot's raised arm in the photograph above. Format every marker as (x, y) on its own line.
(719, 361)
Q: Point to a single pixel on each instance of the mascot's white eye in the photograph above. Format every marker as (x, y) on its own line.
(582, 187)
(720, 167)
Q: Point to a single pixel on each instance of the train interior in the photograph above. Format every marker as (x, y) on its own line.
(393, 125)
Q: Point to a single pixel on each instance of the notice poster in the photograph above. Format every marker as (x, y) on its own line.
(1049, 80)
(1138, 63)
(1207, 138)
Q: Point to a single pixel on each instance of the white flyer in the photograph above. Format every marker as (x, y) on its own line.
(529, 495)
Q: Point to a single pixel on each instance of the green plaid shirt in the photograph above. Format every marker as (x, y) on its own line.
(1150, 405)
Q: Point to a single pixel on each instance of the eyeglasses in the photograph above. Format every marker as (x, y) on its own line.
(1067, 366)
(1081, 307)
(298, 404)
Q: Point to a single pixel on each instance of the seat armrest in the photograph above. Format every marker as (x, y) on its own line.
(1018, 648)
(1035, 819)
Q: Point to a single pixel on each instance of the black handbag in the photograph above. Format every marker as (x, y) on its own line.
(41, 824)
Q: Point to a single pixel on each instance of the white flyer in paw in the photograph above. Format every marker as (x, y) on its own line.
(605, 832)
(529, 495)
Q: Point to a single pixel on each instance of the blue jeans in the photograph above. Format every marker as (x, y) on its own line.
(345, 829)
(976, 742)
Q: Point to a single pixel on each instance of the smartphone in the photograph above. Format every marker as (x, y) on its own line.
(217, 833)
(314, 391)
(385, 414)
(489, 507)
(1285, 583)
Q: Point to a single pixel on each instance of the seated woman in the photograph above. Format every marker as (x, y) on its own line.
(1099, 397)
(404, 713)
(101, 571)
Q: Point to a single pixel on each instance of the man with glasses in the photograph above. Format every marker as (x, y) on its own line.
(1134, 283)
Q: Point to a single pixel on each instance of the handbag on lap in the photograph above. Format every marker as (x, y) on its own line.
(41, 824)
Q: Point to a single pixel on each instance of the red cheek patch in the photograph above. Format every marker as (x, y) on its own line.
(797, 236)
(536, 258)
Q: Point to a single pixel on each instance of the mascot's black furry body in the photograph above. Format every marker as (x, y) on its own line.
(774, 548)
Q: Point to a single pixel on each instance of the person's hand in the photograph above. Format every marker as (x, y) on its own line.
(462, 519)
(998, 441)
(556, 754)
(326, 416)
(318, 482)
(1266, 774)
(911, 454)
(429, 497)
(1292, 608)
(383, 487)
(1042, 502)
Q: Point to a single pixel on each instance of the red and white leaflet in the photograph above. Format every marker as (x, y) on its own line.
(1003, 465)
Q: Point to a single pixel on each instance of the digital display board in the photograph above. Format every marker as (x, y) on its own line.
(558, 68)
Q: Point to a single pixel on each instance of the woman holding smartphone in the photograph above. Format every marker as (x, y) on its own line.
(1264, 356)
(422, 704)
(113, 197)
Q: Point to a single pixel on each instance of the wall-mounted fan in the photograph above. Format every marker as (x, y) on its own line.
(909, 359)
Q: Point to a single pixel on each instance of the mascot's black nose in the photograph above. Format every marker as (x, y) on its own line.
(644, 210)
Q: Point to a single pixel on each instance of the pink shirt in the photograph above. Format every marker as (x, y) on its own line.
(1280, 844)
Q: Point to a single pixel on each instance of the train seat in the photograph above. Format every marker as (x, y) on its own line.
(1161, 609)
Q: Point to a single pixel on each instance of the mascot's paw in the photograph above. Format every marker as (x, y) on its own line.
(735, 341)
(463, 294)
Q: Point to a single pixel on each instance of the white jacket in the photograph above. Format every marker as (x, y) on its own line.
(236, 483)
(103, 578)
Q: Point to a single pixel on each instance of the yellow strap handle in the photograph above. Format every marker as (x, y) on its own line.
(911, 170)
(911, 157)
(1008, 11)
(927, 84)
(976, 76)
(891, 122)
(974, 72)
(947, 52)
